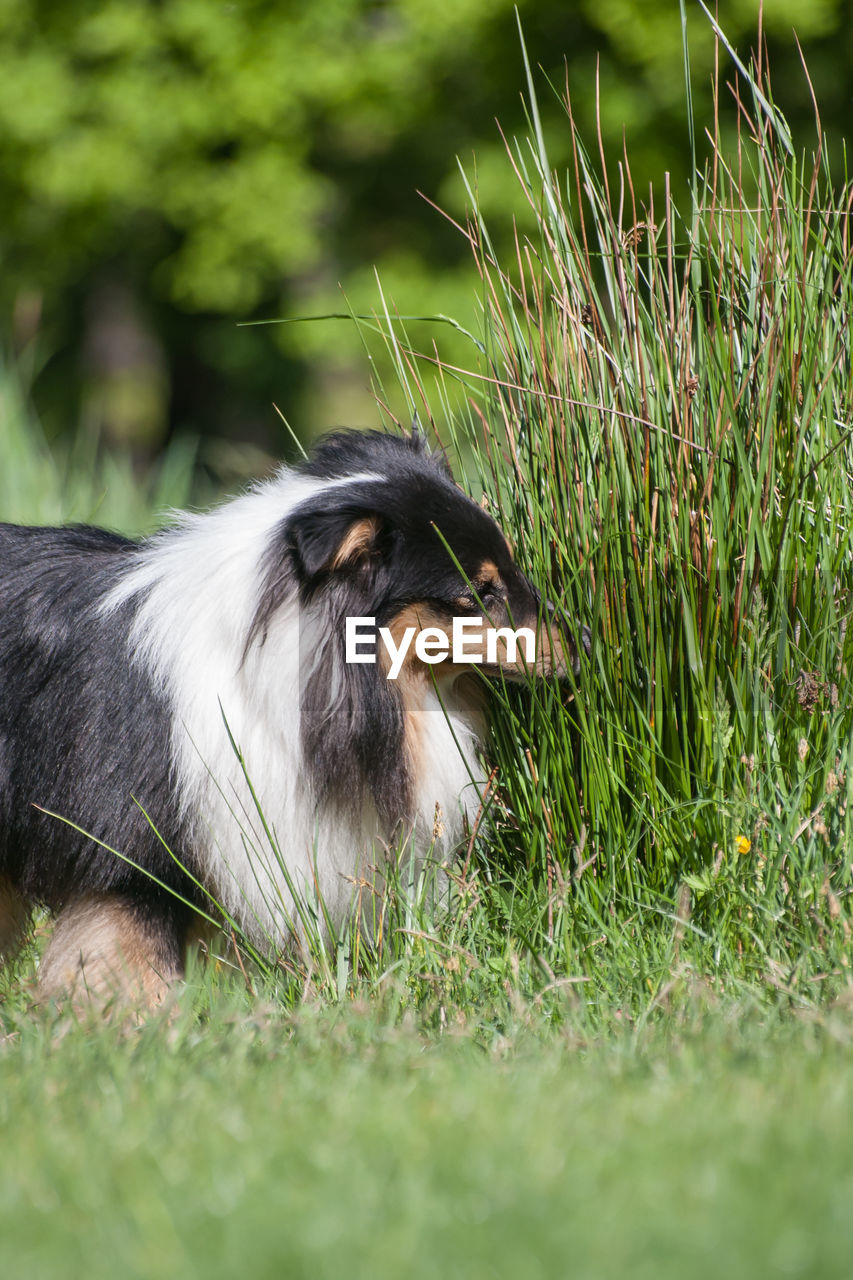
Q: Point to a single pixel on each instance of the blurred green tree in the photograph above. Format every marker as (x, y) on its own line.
(167, 169)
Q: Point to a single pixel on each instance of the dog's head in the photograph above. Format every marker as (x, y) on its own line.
(390, 536)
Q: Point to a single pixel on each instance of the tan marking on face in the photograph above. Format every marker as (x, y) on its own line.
(488, 575)
(420, 616)
(102, 954)
(357, 543)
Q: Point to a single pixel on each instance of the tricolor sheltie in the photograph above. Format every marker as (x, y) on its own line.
(130, 671)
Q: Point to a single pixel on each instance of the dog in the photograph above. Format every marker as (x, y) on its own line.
(179, 722)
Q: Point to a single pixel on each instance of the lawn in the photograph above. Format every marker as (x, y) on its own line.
(340, 1143)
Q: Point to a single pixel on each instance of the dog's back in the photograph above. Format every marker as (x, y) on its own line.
(82, 735)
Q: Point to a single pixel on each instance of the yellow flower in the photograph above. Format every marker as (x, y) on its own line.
(743, 844)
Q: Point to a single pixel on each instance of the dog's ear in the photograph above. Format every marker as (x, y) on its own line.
(335, 541)
(359, 543)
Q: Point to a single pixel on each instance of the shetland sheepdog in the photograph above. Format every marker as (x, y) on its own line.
(145, 685)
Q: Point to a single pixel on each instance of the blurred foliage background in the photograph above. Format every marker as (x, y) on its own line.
(170, 170)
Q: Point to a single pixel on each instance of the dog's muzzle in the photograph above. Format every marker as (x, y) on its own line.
(569, 635)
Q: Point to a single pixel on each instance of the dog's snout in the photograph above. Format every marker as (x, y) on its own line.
(570, 633)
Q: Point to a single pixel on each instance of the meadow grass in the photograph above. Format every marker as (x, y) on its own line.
(346, 1142)
(624, 1046)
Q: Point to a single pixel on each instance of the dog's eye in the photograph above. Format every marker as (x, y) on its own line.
(489, 594)
(485, 596)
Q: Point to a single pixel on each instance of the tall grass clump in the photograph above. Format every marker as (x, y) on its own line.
(661, 419)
